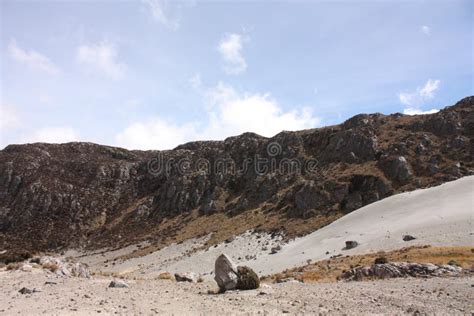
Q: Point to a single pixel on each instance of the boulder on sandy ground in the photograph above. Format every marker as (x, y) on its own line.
(185, 277)
(230, 277)
(351, 244)
(408, 237)
(400, 269)
(225, 272)
(248, 279)
(118, 284)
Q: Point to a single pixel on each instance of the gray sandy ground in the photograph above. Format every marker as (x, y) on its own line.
(92, 296)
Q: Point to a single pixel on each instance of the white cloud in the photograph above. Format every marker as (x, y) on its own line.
(228, 113)
(230, 48)
(426, 30)
(429, 88)
(421, 94)
(32, 58)
(415, 111)
(52, 135)
(234, 113)
(195, 82)
(161, 12)
(101, 57)
(9, 118)
(155, 133)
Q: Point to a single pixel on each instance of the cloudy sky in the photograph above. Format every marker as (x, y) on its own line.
(153, 74)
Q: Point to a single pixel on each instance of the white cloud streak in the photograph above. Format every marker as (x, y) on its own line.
(161, 12)
(421, 95)
(230, 48)
(9, 118)
(426, 30)
(102, 58)
(415, 111)
(32, 58)
(414, 100)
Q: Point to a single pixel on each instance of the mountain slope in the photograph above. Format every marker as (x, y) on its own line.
(81, 194)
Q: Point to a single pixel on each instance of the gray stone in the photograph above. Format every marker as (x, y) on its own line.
(408, 237)
(226, 274)
(351, 244)
(118, 284)
(186, 277)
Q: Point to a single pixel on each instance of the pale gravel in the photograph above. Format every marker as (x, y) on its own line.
(75, 296)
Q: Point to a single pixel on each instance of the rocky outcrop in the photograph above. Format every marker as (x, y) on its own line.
(399, 270)
(55, 196)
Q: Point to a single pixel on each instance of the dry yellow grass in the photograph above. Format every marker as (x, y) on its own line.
(329, 270)
(165, 276)
(53, 267)
(14, 266)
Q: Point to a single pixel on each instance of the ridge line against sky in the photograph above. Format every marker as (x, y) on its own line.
(155, 74)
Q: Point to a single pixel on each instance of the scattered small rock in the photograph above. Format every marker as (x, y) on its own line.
(351, 244)
(185, 277)
(118, 284)
(380, 260)
(26, 290)
(408, 237)
(275, 249)
(50, 283)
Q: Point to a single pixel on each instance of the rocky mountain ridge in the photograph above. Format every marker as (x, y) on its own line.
(55, 196)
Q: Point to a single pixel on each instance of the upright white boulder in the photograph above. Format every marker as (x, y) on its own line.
(226, 274)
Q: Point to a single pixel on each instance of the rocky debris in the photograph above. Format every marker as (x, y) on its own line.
(118, 284)
(408, 237)
(275, 249)
(63, 268)
(398, 270)
(284, 280)
(230, 277)
(225, 273)
(230, 239)
(186, 277)
(380, 260)
(26, 290)
(351, 244)
(26, 268)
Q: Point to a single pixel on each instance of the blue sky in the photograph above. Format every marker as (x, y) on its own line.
(153, 74)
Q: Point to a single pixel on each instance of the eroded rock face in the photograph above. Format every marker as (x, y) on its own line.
(397, 168)
(400, 269)
(86, 195)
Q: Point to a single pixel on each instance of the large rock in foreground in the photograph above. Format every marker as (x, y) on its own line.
(225, 273)
(230, 277)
